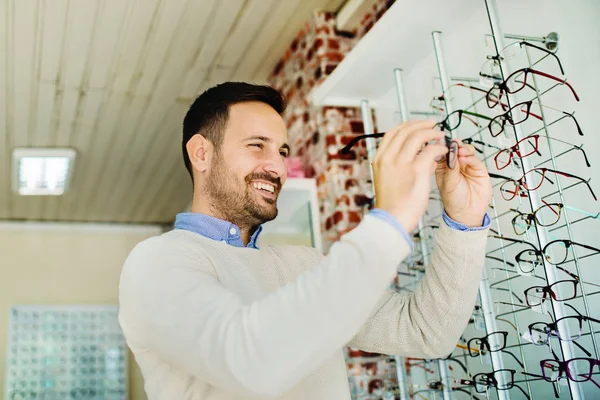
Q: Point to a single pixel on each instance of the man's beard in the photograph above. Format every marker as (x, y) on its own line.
(234, 201)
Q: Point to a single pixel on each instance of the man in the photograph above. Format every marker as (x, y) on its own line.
(211, 315)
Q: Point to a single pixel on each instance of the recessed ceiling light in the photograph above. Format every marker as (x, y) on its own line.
(42, 172)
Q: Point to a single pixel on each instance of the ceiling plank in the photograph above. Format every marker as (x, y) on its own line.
(149, 139)
(266, 38)
(141, 27)
(159, 49)
(141, 16)
(243, 34)
(157, 193)
(110, 19)
(24, 69)
(225, 15)
(178, 194)
(72, 81)
(116, 172)
(107, 41)
(214, 36)
(284, 39)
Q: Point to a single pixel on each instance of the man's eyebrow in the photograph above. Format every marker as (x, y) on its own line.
(267, 140)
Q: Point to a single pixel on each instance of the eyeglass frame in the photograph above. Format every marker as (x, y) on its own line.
(485, 343)
(514, 149)
(568, 243)
(490, 380)
(531, 218)
(502, 87)
(522, 184)
(553, 330)
(563, 369)
(450, 144)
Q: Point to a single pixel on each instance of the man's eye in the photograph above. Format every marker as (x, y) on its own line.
(284, 154)
(258, 145)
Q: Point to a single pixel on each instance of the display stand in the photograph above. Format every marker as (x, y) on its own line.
(534, 200)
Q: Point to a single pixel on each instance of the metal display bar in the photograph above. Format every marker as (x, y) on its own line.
(400, 367)
(550, 40)
(439, 55)
(550, 271)
(568, 223)
(490, 318)
(367, 119)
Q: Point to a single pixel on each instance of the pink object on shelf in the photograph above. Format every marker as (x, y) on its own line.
(295, 169)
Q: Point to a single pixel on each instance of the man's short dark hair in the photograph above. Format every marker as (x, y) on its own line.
(209, 113)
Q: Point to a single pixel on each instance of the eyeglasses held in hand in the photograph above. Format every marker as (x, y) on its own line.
(525, 148)
(450, 144)
(555, 253)
(511, 188)
(575, 369)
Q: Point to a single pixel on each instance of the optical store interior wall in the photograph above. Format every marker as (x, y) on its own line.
(466, 47)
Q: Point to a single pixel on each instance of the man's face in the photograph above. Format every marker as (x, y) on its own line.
(248, 171)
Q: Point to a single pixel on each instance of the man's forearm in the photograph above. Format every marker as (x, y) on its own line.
(429, 321)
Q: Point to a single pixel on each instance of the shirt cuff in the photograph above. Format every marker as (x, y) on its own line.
(487, 221)
(389, 218)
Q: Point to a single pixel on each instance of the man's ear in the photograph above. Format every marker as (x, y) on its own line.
(200, 151)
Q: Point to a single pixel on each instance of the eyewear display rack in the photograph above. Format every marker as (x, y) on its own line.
(434, 379)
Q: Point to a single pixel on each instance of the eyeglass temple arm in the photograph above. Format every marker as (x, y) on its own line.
(563, 81)
(562, 71)
(576, 123)
(580, 147)
(587, 247)
(351, 143)
(522, 390)
(515, 357)
(516, 241)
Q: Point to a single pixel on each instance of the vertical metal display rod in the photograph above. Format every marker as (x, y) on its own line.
(550, 271)
(400, 368)
(563, 201)
(490, 318)
(367, 119)
(487, 303)
(439, 55)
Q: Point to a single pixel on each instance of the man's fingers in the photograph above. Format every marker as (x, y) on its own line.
(390, 149)
(414, 143)
(427, 158)
(466, 150)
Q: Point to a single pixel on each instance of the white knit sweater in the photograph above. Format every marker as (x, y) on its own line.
(209, 321)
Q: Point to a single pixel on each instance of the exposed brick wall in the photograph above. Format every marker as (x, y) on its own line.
(316, 135)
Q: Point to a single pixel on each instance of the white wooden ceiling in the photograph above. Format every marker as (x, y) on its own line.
(113, 80)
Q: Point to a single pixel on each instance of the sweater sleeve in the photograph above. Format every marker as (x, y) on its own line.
(172, 305)
(428, 322)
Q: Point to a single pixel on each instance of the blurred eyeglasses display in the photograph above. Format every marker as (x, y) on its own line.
(66, 352)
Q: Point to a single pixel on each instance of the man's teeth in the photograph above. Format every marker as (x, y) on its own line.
(264, 186)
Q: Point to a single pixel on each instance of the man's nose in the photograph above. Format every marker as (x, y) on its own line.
(276, 166)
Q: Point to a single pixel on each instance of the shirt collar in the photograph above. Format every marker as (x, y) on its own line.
(214, 228)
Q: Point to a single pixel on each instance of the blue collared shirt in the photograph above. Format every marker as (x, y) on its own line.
(214, 228)
(225, 231)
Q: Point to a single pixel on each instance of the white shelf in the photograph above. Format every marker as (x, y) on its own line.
(400, 38)
(298, 214)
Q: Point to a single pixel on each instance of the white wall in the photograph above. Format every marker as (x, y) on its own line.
(577, 23)
(64, 264)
